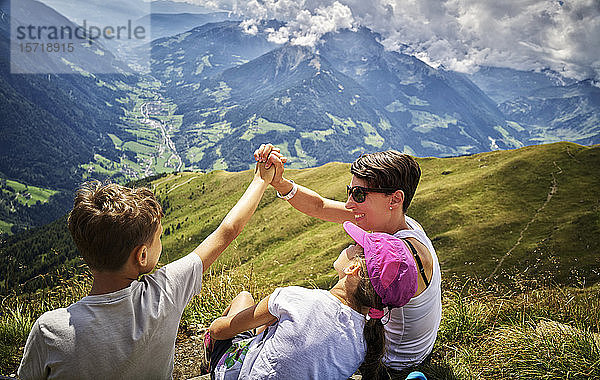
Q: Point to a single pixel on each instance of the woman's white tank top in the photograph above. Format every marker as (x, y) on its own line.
(412, 329)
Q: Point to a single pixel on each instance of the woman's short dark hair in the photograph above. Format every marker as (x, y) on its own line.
(389, 169)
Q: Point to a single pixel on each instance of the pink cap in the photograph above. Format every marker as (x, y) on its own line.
(390, 265)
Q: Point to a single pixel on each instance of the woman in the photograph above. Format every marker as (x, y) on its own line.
(314, 333)
(380, 191)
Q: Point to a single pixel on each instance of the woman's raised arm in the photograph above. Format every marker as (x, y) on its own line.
(304, 199)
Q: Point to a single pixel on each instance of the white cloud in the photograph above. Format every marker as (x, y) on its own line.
(304, 26)
(307, 28)
(249, 26)
(460, 34)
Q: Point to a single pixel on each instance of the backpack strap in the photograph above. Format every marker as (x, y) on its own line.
(418, 261)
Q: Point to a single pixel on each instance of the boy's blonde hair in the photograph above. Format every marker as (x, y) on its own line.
(108, 221)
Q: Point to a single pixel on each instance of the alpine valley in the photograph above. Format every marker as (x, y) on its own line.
(216, 91)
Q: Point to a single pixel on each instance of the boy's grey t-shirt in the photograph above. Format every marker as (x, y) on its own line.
(127, 334)
(316, 337)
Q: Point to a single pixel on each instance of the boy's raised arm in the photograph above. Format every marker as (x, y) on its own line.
(236, 219)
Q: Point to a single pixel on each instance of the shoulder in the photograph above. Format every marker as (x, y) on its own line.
(293, 297)
(186, 271)
(296, 290)
(302, 294)
(413, 223)
(289, 292)
(53, 324)
(176, 283)
(191, 261)
(57, 316)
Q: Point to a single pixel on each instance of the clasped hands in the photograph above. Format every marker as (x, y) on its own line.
(271, 156)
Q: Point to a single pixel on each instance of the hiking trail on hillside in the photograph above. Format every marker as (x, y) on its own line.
(553, 190)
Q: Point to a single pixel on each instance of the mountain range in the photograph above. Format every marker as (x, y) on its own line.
(169, 24)
(550, 107)
(346, 97)
(349, 95)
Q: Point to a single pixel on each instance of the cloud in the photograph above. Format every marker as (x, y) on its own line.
(304, 26)
(562, 35)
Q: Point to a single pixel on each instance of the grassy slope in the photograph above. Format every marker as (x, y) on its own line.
(475, 213)
(24, 195)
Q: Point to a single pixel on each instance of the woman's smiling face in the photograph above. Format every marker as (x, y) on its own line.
(374, 213)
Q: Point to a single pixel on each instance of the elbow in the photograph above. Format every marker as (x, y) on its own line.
(317, 208)
(230, 230)
(216, 329)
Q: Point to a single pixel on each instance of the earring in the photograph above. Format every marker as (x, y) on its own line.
(390, 207)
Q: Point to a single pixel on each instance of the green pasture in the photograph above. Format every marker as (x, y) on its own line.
(5, 227)
(27, 195)
(261, 126)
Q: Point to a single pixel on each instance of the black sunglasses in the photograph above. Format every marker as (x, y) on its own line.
(359, 193)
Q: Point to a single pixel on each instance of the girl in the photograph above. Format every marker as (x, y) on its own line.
(313, 333)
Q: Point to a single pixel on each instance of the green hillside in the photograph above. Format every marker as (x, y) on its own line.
(534, 212)
(16, 197)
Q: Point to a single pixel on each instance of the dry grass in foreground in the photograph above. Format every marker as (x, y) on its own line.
(487, 332)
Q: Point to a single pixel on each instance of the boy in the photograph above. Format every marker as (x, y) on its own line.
(126, 328)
